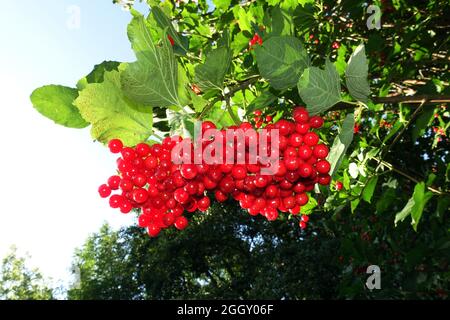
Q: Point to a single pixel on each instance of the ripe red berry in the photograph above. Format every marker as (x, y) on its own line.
(305, 218)
(140, 195)
(126, 206)
(257, 113)
(142, 149)
(126, 185)
(128, 154)
(315, 122)
(324, 179)
(302, 224)
(269, 119)
(104, 191)
(320, 151)
(153, 230)
(272, 191)
(181, 196)
(239, 172)
(339, 185)
(301, 199)
(115, 145)
(300, 115)
(305, 152)
(115, 201)
(181, 223)
(204, 203)
(188, 171)
(323, 166)
(311, 139)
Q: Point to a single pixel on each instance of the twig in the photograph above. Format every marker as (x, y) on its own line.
(429, 100)
(406, 175)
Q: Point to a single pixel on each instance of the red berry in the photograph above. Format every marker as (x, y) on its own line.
(323, 166)
(311, 139)
(104, 191)
(320, 151)
(305, 152)
(153, 230)
(269, 119)
(289, 202)
(339, 185)
(128, 154)
(302, 128)
(324, 179)
(257, 113)
(126, 206)
(300, 115)
(140, 195)
(189, 171)
(302, 224)
(181, 196)
(305, 218)
(126, 185)
(239, 172)
(115, 145)
(181, 223)
(204, 203)
(144, 220)
(142, 149)
(301, 199)
(315, 122)
(115, 201)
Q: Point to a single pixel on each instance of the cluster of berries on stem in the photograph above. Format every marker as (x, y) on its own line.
(158, 181)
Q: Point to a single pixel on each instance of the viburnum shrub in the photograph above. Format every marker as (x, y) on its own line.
(241, 72)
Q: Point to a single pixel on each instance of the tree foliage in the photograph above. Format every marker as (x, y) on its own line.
(19, 282)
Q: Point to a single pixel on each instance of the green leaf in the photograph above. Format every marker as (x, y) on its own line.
(414, 206)
(356, 75)
(320, 89)
(222, 4)
(261, 102)
(369, 189)
(164, 23)
(341, 143)
(56, 103)
(422, 122)
(96, 75)
(113, 115)
(153, 79)
(281, 60)
(354, 204)
(308, 208)
(211, 74)
(281, 22)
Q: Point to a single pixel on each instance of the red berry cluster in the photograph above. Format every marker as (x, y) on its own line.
(150, 181)
(259, 119)
(255, 40)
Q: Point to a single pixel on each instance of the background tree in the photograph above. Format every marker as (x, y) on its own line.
(18, 282)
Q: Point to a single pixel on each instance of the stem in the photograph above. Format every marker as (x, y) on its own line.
(429, 100)
(406, 175)
(413, 117)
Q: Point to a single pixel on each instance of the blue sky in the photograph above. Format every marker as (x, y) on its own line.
(50, 174)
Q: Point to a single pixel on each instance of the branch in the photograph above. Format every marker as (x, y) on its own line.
(429, 100)
(406, 175)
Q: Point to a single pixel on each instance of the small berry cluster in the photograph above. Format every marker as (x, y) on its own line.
(163, 191)
(255, 40)
(259, 119)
